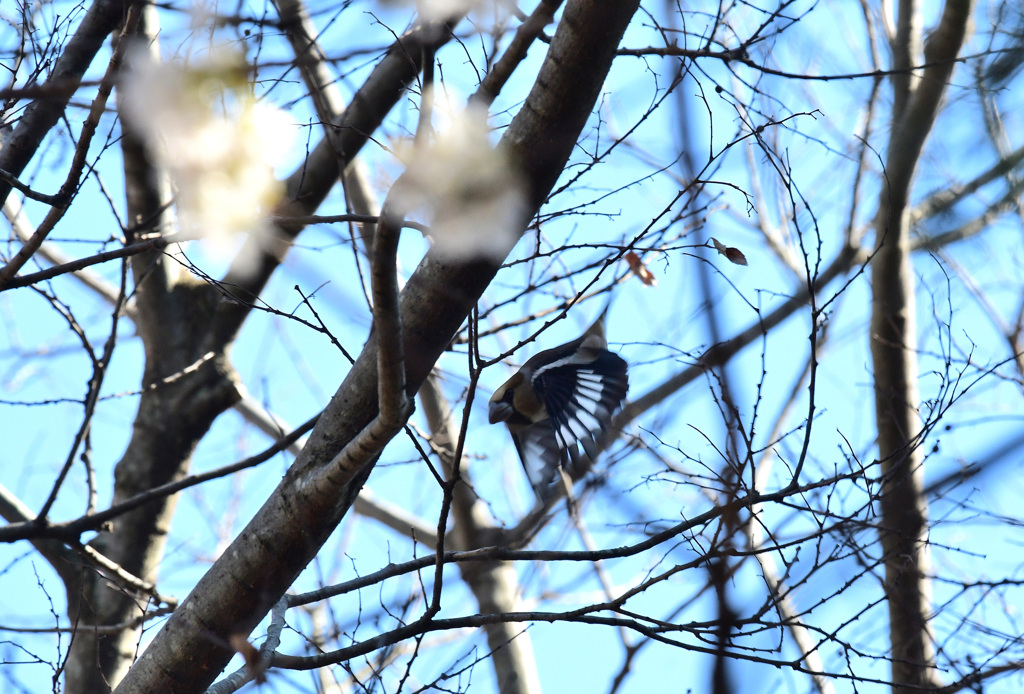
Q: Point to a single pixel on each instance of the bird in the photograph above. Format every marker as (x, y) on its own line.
(561, 401)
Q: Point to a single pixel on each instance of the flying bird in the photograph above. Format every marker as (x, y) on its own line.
(560, 401)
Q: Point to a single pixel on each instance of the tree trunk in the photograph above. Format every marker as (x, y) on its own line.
(903, 507)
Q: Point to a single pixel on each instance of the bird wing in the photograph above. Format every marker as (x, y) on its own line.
(540, 454)
(580, 393)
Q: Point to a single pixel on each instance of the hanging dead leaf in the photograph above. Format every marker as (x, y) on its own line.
(250, 655)
(733, 255)
(640, 270)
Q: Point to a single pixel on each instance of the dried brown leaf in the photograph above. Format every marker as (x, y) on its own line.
(733, 255)
(640, 270)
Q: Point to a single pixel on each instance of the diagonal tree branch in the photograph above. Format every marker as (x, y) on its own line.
(309, 185)
(946, 198)
(287, 532)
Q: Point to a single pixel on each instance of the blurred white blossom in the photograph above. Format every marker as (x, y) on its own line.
(201, 122)
(469, 190)
(434, 10)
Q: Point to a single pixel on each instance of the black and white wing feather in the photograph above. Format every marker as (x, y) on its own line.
(541, 456)
(581, 393)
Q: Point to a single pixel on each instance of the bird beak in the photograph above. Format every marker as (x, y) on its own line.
(499, 412)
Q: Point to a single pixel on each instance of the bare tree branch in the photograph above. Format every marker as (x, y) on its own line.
(71, 183)
(102, 18)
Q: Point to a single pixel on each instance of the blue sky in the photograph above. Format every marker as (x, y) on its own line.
(293, 370)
